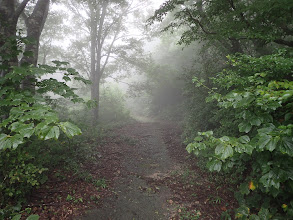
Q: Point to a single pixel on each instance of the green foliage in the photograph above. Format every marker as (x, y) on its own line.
(19, 174)
(261, 92)
(112, 105)
(26, 115)
(234, 20)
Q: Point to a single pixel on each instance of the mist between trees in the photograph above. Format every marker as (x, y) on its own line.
(222, 69)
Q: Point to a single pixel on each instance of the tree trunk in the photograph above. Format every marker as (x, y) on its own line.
(35, 24)
(95, 95)
(9, 15)
(94, 78)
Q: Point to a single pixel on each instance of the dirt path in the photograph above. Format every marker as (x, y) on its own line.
(146, 156)
(139, 171)
(152, 178)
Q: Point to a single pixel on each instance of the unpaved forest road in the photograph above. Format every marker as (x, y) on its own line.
(146, 156)
(147, 162)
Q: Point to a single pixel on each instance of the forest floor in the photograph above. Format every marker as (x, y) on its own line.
(143, 172)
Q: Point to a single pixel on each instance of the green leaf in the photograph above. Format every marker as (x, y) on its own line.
(266, 130)
(263, 141)
(244, 127)
(244, 139)
(255, 121)
(53, 132)
(225, 139)
(264, 213)
(16, 217)
(245, 101)
(3, 136)
(26, 130)
(70, 129)
(214, 165)
(272, 144)
(288, 116)
(190, 148)
(33, 217)
(286, 146)
(244, 189)
(241, 212)
(270, 179)
(244, 148)
(224, 151)
(16, 140)
(198, 138)
(5, 142)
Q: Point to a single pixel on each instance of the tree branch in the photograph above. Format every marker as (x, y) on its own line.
(20, 8)
(198, 22)
(241, 13)
(284, 42)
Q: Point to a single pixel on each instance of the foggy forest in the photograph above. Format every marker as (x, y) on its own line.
(146, 110)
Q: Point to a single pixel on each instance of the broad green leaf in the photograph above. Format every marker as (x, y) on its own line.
(255, 121)
(241, 212)
(26, 130)
(272, 144)
(16, 217)
(70, 129)
(41, 126)
(201, 146)
(245, 101)
(190, 148)
(33, 217)
(270, 179)
(286, 146)
(244, 139)
(244, 148)
(244, 127)
(198, 138)
(225, 139)
(16, 140)
(53, 132)
(5, 142)
(3, 136)
(263, 141)
(266, 130)
(214, 165)
(224, 151)
(15, 126)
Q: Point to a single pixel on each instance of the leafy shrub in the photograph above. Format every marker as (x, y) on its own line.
(26, 114)
(19, 175)
(260, 90)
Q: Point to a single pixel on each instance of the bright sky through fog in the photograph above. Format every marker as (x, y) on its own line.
(157, 3)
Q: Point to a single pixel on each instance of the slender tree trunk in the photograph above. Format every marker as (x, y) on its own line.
(94, 78)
